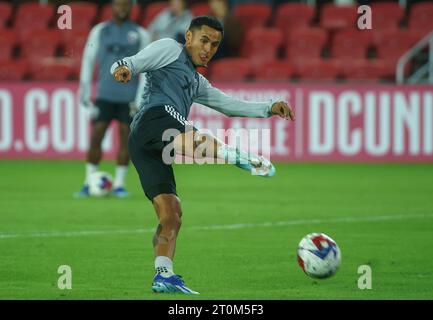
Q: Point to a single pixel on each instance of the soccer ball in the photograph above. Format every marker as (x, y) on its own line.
(319, 255)
(100, 184)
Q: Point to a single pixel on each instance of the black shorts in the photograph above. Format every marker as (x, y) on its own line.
(151, 151)
(109, 111)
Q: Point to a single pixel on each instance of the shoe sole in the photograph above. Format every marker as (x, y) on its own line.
(160, 287)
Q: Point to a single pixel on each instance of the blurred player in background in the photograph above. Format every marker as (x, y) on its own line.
(108, 42)
(232, 28)
(173, 84)
(171, 22)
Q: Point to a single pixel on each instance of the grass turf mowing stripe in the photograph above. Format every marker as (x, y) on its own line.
(53, 234)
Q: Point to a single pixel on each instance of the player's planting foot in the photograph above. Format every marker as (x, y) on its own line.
(172, 284)
(83, 193)
(120, 192)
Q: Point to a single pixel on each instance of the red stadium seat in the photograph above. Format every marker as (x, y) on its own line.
(262, 44)
(13, 70)
(230, 69)
(395, 43)
(202, 70)
(351, 44)
(421, 17)
(318, 69)
(306, 43)
(386, 15)
(41, 44)
(338, 17)
(363, 69)
(107, 13)
(253, 15)
(5, 13)
(274, 70)
(293, 15)
(152, 10)
(200, 9)
(390, 66)
(7, 44)
(84, 14)
(32, 17)
(73, 43)
(52, 70)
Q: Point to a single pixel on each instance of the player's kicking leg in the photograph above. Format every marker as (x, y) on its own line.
(94, 154)
(195, 144)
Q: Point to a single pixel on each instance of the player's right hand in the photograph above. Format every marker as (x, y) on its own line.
(122, 74)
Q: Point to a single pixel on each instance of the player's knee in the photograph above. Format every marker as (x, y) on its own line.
(172, 221)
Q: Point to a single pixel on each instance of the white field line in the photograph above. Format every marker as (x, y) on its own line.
(61, 234)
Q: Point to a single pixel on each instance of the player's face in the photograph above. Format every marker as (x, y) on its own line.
(202, 44)
(122, 9)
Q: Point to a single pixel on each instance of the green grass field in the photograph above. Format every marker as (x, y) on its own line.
(239, 233)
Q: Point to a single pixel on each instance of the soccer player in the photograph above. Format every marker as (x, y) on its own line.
(172, 86)
(108, 42)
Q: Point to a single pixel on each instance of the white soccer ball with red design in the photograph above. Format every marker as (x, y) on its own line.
(100, 184)
(318, 255)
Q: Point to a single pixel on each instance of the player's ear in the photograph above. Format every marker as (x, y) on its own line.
(188, 37)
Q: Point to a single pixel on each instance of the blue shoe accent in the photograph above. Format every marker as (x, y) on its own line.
(173, 284)
(120, 192)
(83, 193)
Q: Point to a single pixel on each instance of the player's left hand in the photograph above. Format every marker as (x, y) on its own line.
(122, 74)
(283, 110)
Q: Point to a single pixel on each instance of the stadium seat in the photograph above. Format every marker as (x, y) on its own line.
(252, 15)
(13, 70)
(293, 15)
(350, 44)
(106, 13)
(7, 44)
(421, 18)
(390, 66)
(318, 69)
(84, 14)
(5, 13)
(202, 70)
(278, 70)
(51, 69)
(73, 43)
(31, 17)
(230, 69)
(395, 43)
(363, 69)
(306, 43)
(200, 9)
(41, 44)
(386, 15)
(151, 11)
(262, 44)
(338, 17)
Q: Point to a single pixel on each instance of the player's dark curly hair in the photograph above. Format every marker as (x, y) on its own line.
(209, 21)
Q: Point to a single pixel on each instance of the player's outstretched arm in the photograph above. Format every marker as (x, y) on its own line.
(232, 107)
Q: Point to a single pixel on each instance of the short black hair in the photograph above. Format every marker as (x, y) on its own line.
(209, 21)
